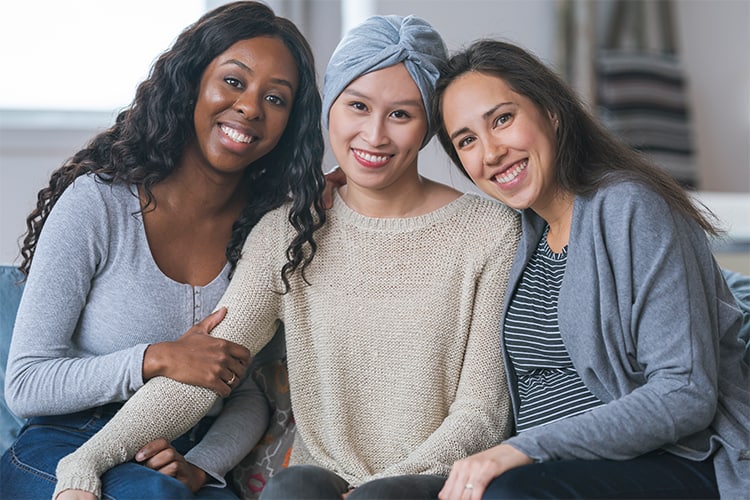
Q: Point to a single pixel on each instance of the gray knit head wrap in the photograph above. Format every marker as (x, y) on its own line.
(381, 42)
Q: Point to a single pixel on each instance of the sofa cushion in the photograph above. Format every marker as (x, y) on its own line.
(10, 295)
(739, 284)
(271, 454)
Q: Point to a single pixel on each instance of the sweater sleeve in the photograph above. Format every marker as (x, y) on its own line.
(164, 408)
(43, 376)
(234, 433)
(646, 324)
(480, 416)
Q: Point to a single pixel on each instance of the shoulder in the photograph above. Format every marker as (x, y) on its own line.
(627, 194)
(626, 203)
(629, 217)
(274, 227)
(483, 205)
(276, 218)
(89, 200)
(88, 189)
(487, 228)
(486, 216)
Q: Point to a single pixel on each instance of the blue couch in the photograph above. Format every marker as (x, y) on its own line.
(10, 296)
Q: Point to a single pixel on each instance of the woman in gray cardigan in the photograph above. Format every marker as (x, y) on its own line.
(619, 333)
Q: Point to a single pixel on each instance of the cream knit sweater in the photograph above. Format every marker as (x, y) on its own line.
(393, 349)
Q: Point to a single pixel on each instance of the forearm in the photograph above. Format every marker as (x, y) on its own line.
(59, 386)
(637, 423)
(162, 408)
(238, 428)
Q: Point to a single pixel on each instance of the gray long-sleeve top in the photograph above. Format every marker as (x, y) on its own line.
(94, 300)
(652, 329)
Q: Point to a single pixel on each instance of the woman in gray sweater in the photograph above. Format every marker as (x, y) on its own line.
(134, 242)
(620, 334)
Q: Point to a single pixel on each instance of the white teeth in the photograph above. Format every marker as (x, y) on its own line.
(513, 173)
(371, 158)
(236, 136)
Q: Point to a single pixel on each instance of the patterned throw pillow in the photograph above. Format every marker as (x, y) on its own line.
(271, 454)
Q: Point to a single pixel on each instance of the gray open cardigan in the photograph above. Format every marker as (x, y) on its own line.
(652, 329)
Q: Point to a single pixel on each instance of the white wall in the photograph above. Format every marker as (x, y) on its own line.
(715, 41)
(714, 35)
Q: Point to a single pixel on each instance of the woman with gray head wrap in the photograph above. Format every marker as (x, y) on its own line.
(377, 96)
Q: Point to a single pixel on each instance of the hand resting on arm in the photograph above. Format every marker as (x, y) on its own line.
(196, 358)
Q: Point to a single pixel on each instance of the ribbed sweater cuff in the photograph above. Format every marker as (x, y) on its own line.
(74, 476)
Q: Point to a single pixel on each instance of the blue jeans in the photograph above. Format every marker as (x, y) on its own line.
(655, 475)
(316, 483)
(27, 469)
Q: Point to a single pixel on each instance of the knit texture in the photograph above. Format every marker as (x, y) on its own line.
(393, 349)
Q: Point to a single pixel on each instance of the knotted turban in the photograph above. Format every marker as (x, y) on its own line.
(381, 42)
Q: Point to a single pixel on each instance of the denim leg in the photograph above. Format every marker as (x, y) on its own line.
(27, 469)
(304, 482)
(656, 475)
(414, 487)
(132, 481)
(209, 493)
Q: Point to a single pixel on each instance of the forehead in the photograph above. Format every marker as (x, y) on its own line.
(268, 55)
(391, 84)
(474, 94)
(478, 83)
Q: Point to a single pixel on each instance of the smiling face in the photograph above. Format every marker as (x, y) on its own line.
(504, 141)
(243, 105)
(376, 127)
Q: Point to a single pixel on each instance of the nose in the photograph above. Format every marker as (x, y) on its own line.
(374, 131)
(494, 153)
(249, 105)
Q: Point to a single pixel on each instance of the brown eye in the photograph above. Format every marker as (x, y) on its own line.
(503, 119)
(465, 142)
(233, 82)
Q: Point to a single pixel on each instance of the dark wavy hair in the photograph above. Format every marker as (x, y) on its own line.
(148, 138)
(588, 155)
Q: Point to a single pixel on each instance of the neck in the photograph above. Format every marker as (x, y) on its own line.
(559, 216)
(403, 199)
(197, 194)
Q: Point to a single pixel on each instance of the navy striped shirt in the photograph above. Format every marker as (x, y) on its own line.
(549, 388)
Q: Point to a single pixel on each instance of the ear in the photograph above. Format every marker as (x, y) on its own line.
(553, 119)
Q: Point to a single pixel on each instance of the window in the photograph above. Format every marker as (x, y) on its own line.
(86, 55)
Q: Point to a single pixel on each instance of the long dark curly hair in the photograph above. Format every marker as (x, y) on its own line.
(588, 155)
(148, 138)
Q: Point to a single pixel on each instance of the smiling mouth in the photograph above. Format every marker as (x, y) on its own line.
(371, 158)
(512, 173)
(237, 136)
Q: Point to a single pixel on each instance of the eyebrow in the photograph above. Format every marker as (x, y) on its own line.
(405, 102)
(279, 81)
(485, 115)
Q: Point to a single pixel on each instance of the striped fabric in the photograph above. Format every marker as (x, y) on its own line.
(549, 387)
(642, 98)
